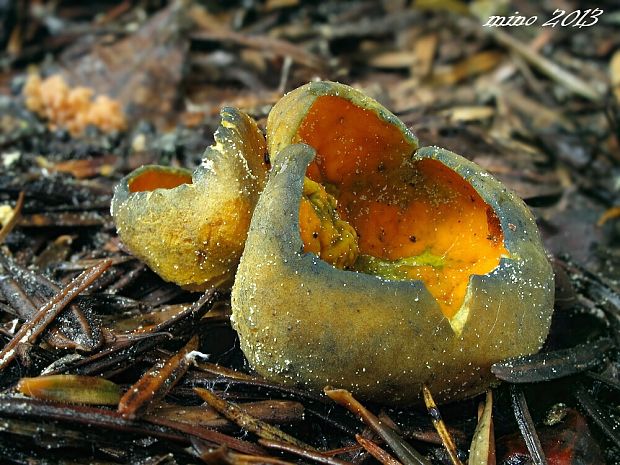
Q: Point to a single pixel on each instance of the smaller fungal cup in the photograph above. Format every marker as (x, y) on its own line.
(377, 266)
(190, 228)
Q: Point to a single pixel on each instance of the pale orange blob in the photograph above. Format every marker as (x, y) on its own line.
(415, 219)
(72, 108)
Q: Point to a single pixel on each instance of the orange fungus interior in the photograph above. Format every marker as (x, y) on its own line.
(416, 220)
(153, 179)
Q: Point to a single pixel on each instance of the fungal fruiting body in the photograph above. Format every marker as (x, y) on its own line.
(373, 265)
(191, 228)
(70, 108)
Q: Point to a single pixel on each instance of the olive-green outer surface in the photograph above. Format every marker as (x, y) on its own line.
(194, 234)
(287, 114)
(303, 322)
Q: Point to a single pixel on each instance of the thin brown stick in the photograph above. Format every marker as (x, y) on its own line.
(242, 459)
(220, 370)
(377, 452)
(548, 67)
(156, 382)
(8, 227)
(342, 450)
(206, 434)
(440, 426)
(237, 415)
(309, 454)
(403, 450)
(224, 456)
(32, 329)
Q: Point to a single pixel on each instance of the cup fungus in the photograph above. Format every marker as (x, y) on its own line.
(376, 266)
(191, 228)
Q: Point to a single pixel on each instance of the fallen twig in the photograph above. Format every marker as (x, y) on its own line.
(549, 68)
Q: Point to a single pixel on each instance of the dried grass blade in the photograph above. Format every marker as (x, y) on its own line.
(32, 329)
(482, 450)
(207, 434)
(236, 414)
(276, 411)
(71, 388)
(468, 67)
(8, 227)
(226, 372)
(552, 365)
(403, 450)
(309, 454)
(156, 382)
(342, 450)
(526, 426)
(93, 417)
(609, 214)
(373, 449)
(440, 426)
(222, 456)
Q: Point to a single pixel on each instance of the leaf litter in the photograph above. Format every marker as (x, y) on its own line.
(537, 107)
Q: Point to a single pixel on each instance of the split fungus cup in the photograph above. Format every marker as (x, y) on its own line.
(370, 264)
(377, 266)
(191, 228)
